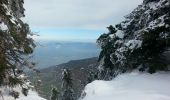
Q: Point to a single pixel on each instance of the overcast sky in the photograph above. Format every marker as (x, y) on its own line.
(75, 20)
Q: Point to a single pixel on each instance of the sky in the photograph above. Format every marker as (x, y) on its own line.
(75, 20)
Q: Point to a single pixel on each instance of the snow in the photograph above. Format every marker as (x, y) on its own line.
(32, 95)
(112, 36)
(3, 26)
(120, 34)
(131, 86)
(153, 6)
(156, 5)
(158, 22)
(8, 12)
(126, 24)
(13, 20)
(133, 44)
(119, 55)
(118, 42)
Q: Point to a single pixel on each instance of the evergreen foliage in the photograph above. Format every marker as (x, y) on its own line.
(14, 94)
(14, 43)
(54, 94)
(67, 86)
(25, 91)
(138, 42)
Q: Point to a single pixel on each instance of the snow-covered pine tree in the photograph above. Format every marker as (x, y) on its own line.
(14, 43)
(106, 67)
(137, 42)
(54, 94)
(90, 77)
(67, 86)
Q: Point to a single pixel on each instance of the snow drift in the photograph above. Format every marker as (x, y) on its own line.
(131, 86)
(32, 95)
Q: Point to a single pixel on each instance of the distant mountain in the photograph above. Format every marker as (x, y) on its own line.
(50, 53)
(80, 70)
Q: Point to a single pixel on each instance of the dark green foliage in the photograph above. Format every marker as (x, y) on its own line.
(54, 94)
(67, 77)
(13, 81)
(25, 91)
(90, 77)
(146, 36)
(68, 95)
(111, 29)
(14, 43)
(67, 86)
(15, 94)
(108, 47)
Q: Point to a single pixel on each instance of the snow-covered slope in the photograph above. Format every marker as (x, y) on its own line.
(32, 95)
(131, 86)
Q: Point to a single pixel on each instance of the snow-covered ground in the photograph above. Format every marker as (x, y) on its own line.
(131, 86)
(32, 95)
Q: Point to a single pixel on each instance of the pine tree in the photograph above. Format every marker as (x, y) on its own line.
(90, 77)
(14, 94)
(14, 43)
(108, 47)
(67, 86)
(54, 94)
(138, 42)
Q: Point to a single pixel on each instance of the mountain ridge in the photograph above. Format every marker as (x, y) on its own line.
(80, 71)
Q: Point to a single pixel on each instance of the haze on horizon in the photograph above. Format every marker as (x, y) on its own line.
(75, 20)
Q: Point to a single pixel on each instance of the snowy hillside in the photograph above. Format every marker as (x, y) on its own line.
(32, 95)
(131, 86)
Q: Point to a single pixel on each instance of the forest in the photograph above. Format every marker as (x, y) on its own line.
(129, 61)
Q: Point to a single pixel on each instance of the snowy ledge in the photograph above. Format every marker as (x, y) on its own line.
(131, 86)
(32, 95)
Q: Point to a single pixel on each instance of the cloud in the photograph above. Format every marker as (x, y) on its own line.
(80, 14)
